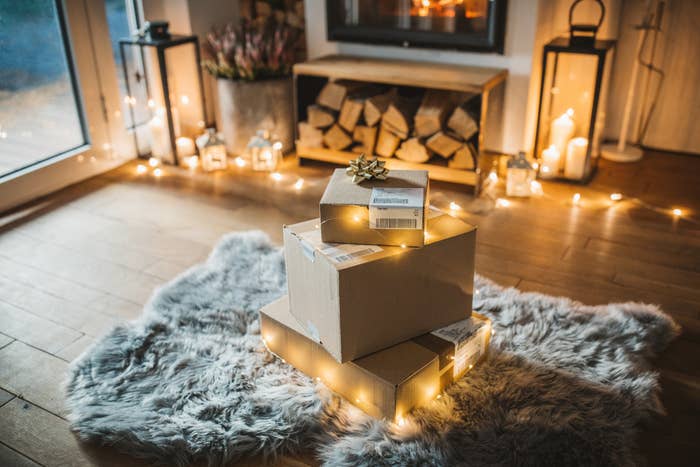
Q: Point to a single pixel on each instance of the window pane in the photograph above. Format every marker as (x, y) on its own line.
(39, 117)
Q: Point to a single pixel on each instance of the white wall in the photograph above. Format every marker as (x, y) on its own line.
(529, 24)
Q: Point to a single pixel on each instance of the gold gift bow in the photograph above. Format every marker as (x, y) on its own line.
(362, 169)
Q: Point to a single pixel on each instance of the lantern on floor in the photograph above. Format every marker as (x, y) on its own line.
(573, 94)
(519, 175)
(165, 94)
(263, 153)
(212, 151)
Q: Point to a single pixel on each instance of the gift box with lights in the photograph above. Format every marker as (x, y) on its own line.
(357, 299)
(388, 383)
(376, 212)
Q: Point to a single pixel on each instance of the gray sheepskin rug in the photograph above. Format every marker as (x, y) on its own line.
(564, 384)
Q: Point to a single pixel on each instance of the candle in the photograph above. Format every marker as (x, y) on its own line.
(158, 133)
(550, 162)
(561, 131)
(576, 158)
(185, 147)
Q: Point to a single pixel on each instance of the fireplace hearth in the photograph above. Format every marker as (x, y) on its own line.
(476, 25)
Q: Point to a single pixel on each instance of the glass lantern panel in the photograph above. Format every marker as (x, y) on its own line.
(601, 114)
(183, 81)
(565, 119)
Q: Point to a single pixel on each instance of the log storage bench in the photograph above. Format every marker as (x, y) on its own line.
(414, 115)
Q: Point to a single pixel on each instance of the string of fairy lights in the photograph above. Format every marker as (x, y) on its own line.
(489, 191)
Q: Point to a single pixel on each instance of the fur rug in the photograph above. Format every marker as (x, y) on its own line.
(565, 384)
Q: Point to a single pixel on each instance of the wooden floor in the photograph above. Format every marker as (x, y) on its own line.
(75, 263)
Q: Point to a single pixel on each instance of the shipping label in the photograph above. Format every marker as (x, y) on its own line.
(336, 252)
(396, 208)
(469, 337)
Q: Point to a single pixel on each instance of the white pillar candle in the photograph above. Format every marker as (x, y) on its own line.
(550, 162)
(576, 158)
(158, 133)
(562, 130)
(185, 147)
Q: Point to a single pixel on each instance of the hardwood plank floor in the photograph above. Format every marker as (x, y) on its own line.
(75, 263)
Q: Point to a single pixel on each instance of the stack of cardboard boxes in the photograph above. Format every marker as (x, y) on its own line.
(380, 294)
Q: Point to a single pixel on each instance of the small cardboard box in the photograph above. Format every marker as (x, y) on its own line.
(375, 212)
(391, 382)
(357, 299)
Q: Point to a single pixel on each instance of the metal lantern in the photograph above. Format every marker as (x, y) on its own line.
(573, 93)
(263, 153)
(165, 69)
(212, 151)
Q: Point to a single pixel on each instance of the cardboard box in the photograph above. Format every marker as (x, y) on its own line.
(375, 212)
(391, 382)
(357, 299)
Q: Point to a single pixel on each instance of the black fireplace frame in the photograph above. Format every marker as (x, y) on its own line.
(492, 43)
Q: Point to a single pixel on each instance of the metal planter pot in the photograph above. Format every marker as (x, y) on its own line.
(243, 107)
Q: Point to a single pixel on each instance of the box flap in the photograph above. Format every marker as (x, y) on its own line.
(440, 226)
(397, 363)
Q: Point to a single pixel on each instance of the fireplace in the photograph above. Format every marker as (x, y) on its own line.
(476, 25)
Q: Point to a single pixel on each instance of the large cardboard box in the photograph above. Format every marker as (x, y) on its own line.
(375, 212)
(357, 299)
(391, 382)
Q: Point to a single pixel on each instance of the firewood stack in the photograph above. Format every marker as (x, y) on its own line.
(364, 118)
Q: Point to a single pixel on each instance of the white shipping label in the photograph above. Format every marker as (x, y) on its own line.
(469, 338)
(396, 208)
(336, 252)
(341, 253)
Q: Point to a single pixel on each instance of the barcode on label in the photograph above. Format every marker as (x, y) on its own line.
(353, 255)
(391, 223)
(390, 201)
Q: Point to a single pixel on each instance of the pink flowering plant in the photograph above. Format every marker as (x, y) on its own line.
(253, 50)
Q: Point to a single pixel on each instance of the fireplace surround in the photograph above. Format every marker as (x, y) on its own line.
(475, 25)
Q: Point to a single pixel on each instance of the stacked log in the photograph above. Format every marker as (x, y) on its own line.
(390, 122)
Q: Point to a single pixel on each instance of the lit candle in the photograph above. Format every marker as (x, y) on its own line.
(576, 158)
(158, 134)
(562, 131)
(550, 162)
(185, 146)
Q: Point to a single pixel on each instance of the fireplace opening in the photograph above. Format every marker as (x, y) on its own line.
(477, 25)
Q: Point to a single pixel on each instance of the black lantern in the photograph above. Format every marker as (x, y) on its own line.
(573, 94)
(166, 74)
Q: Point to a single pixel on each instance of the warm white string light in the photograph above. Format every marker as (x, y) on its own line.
(276, 176)
(299, 184)
(502, 202)
(158, 172)
(576, 198)
(239, 161)
(153, 162)
(141, 169)
(615, 196)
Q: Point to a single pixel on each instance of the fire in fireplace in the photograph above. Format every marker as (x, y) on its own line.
(477, 25)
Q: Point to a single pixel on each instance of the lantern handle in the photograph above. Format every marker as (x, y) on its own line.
(600, 20)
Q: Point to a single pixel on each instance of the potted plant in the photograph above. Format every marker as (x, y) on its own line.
(252, 63)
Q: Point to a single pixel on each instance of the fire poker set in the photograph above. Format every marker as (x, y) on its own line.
(380, 293)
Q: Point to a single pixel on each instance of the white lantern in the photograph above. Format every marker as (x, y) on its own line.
(519, 176)
(212, 151)
(263, 154)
